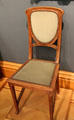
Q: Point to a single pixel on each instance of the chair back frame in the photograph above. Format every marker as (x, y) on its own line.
(57, 37)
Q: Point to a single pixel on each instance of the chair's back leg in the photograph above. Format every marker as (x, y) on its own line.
(57, 85)
(51, 104)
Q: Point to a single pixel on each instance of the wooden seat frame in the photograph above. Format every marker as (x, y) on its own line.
(54, 86)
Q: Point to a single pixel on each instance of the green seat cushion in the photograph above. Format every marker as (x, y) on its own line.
(38, 72)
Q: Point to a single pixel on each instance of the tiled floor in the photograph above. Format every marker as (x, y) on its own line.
(34, 106)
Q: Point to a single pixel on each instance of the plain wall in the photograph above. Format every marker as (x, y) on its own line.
(14, 33)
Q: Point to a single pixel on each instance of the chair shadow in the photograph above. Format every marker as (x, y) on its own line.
(1, 70)
(60, 2)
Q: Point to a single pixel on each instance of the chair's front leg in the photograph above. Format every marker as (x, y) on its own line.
(14, 97)
(51, 105)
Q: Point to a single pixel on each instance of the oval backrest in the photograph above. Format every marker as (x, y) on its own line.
(44, 25)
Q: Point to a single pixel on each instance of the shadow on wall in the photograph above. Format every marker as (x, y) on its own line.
(46, 53)
(60, 2)
(1, 71)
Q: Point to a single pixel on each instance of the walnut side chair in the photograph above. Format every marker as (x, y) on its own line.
(44, 27)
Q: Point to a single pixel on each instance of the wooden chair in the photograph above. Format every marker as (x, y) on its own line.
(44, 26)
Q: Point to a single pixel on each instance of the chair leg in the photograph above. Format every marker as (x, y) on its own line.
(51, 107)
(57, 85)
(54, 99)
(20, 95)
(14, 97)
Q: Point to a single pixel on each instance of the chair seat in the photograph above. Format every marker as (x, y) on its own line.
(37, 72)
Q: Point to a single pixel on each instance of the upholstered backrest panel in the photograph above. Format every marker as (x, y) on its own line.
(44, 25)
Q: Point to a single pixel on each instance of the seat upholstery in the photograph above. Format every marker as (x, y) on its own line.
(38, 72)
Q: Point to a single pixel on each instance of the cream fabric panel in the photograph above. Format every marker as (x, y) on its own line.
(44, 25)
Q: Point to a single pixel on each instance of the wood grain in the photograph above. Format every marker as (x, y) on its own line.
(66, 79)
(3, 82)
(36, 106)
(5, 103)
(71, 112)
(9, 68)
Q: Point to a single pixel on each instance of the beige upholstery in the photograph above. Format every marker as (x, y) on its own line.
(38, 72)
(44, 25)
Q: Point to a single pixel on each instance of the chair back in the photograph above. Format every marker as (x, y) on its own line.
(45, 26)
